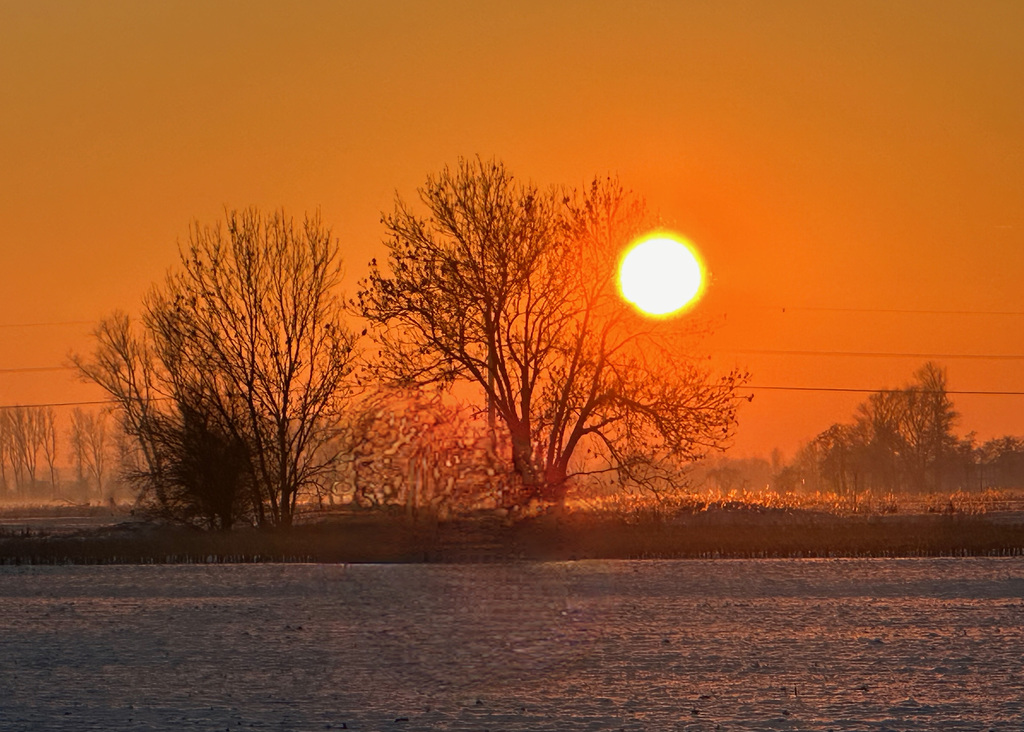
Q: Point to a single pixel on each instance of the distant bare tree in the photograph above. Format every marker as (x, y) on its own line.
(929, 424)
(48, 420)
(123, 363)
(513, 289)
(77, 441)
(1001, 463)
(12, 447)
(96, 448)
(901, 440)
(25, 430)
(89, 444)
(5, 451)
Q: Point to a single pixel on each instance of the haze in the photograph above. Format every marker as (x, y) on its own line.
(853, 173)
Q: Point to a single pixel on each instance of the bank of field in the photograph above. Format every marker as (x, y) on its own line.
(747, 526)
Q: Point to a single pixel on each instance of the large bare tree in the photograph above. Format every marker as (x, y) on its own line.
(243, 343)
(512, 288)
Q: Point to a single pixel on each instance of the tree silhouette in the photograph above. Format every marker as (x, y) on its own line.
(48, 420)
(25, 432)
(901, 440)
(513, 289)
(242, 358)
(89, 443)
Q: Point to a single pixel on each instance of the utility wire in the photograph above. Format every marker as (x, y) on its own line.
(879, 354)
(53, 324)
(735, 351)
(755, 387)
(33, 369)
(91, 403)
(843, 389)
(902, 311)
(783, 308)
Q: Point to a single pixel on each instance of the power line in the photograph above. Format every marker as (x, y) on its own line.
(756, 387)
(736, 351)
(88, 403)
(851, 390)
(52, 324)
(880, 354)
(34, 369)
(903, 311)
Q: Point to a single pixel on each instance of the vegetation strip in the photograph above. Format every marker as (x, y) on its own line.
(728, 535)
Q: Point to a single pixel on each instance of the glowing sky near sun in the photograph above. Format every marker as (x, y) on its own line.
(853, 172)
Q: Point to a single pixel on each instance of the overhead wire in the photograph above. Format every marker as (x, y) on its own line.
(876, 354)
(898, 311)
(33, 369)
(856, 390)
(51, 324)
(735, 351)
(743, 351)
(83, 403)
(753, 387)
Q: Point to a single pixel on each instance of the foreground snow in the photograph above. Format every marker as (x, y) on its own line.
(919, 644)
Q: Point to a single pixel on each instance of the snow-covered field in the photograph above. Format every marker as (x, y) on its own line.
(916, 644)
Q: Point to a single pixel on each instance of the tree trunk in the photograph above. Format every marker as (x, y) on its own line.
(555, 486)
(522, 462)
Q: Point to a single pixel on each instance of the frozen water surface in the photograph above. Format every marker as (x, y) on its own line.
(916, 644)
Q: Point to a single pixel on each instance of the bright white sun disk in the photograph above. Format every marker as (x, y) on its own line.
(660, 275)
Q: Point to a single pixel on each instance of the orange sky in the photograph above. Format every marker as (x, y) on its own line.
(861, 155)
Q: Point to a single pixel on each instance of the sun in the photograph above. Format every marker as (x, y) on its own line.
(660, 275)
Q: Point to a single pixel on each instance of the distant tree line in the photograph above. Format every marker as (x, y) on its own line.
(902, 441)
(240, 391)
(34, 444)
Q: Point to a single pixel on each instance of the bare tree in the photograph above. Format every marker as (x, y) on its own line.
(12, 448)
(76, 440)
(25, 431)
(89, 446)
(48, 423)
(96, 448)
(930, 423)
(901, 440)
(124, 364)
(246, 342)
(514, 289)
(171, 445)
(5, 451)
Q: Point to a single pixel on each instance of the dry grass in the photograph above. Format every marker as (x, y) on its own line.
(641, 505)
(58, 509)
